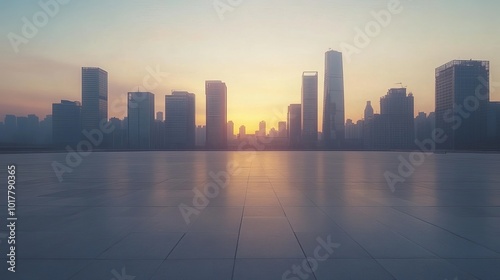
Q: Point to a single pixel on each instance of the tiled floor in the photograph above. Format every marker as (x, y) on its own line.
(238, 215)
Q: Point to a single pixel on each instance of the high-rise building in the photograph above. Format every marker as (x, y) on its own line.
(462, 96)
(294, 125)
(216, 94)
(397, 113)
(66, 123)
(10, 123)
(282, 131)
(368, 111)
(494, 125)
(141, 116)
(94, 98)
(423, 127)
(45, 131)
(159, 116)
(22, 136)
(242, 132)
(180, 123)
(230, 131)
(309, 109)
(201, 136)
(262, 129)
(333, 112)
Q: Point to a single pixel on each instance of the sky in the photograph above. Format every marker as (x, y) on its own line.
(258, 48)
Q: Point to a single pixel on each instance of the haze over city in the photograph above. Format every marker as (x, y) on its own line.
(258, 48)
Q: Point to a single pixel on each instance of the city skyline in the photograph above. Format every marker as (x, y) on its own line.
(240, 51)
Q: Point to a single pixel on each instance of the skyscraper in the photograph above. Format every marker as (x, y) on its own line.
(462, 96)
(262, 129)
(216, 94)
(66, 123)
(282, 132)
(10, 123)
(294, 125)
(397, 117)
(230, 131)
(242, 132)
(368, 111)
(309, 109)
(94, 97)
(141, 116)
(180, 125)
(334, 112)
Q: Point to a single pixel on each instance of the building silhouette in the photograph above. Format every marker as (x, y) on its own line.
(309, 109)
(216, 110)
(282, 130)
(201, 136)
(159, 116)
(242, 133)
(140, 118)
(180, 123)
(368, 111)
(230, 131)
(262, 129)
(66, 123)
(10, 123)
(462, 96)
(294, 126)
(333, 105)
(94, 98)
(494, 125)
(394, 127)
(423, 126)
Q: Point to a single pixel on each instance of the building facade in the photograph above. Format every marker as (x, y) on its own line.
(333, 104)
(216, 110)
(309, 109)
(462, 97)
(140, 119)
(180, 120)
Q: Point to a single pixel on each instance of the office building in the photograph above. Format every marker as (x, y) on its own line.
(216, 110)
(201, 136)
(242, 132)
(66, 123)
(180, 123)
(294, 125)
(94, 98)
(333, 105)
(309, 109)
(369, 111)
(140, 117)
(462, 96)
(230, 131)
(262, 129)
(282, 131)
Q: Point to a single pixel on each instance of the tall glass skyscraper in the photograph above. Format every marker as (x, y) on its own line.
(216, 94)
(309, 109)
(180, 126)
(462, 97)
(94, 97)
(141, 118)
(333, 111)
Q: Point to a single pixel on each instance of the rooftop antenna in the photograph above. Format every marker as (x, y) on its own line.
(401, 84)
